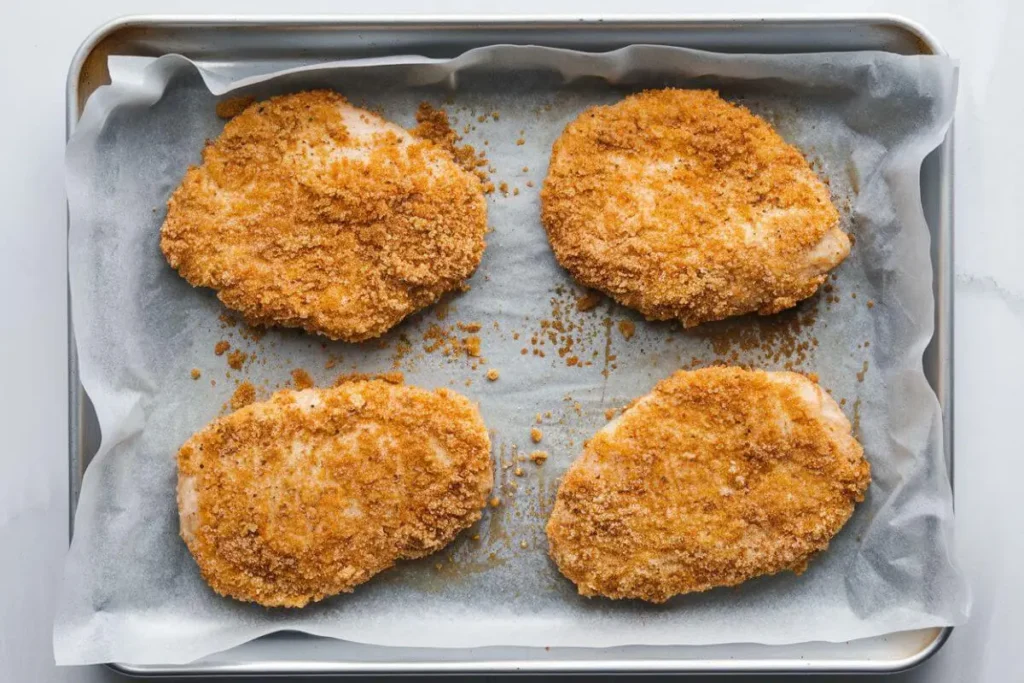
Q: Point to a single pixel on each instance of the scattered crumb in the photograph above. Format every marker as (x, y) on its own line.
(529, 183)
(227, 320)
(503, 187)
(609, 414)
(871, 304)
(195, 373)
(330, 363)
(627, 328)
(515, 191)
(472, 346)
(524, 545)
(495, 502)
(253, 334)
(243, 396)
(519, 471)
(526, 169)
(536, 435)
(236, 359)
(863, 371)
(539, 418)
(538, 457)
(433, 125)
(220, 347)
(588, 301)
(301, 379)
(493, 374)
(475, 537)
(469, 327)
(520, 142)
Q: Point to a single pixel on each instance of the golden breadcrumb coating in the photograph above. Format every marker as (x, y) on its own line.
(308, 212)
(715, 477)
(684, 206)
(313, 492)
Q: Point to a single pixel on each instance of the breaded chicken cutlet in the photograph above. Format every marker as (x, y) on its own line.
(715, 477)
(309, 212)
(312, 492)
(684, 206)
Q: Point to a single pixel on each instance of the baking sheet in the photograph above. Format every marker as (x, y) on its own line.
(132, 592)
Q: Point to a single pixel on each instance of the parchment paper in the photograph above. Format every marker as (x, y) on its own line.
(132, 592)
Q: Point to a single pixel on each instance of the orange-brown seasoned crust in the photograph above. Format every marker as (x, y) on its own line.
(308, 212)
(684, 206)
(715, 477)
(313, 492)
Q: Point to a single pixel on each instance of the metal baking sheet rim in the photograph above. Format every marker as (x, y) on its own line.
(943, 339)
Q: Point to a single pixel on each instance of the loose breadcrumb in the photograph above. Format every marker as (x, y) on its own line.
(196, 374)
(536, 435)
(627, 328)
(493, 374)
(221, 347)
(495, 501)
(245, 393)
(301, 379)
(588, 301)
(538, 457)
(236, 359)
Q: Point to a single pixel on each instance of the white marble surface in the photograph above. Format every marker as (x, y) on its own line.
(37, 40)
